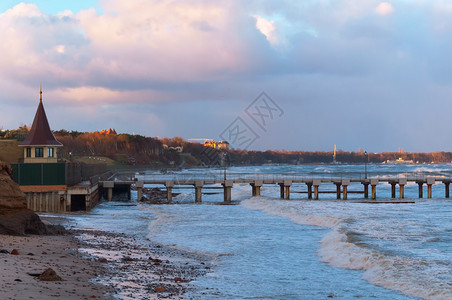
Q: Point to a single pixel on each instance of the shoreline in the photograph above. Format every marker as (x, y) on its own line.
(96, 264)
(142, 269)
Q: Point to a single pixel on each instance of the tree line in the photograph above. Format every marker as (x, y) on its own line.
(141, 150)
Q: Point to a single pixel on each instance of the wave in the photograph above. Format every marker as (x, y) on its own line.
(344, 248)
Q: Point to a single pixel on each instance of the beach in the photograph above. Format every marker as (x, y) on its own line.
(38, 253)
(95, 264)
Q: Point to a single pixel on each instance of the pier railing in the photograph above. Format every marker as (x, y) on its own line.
(217, 176)
(314, 182)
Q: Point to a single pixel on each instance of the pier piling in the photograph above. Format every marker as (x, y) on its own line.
(446, 185)
(393, 188)
(402, 183)
(366, 190)
(256, 187)
(421, 188)
(109, 185)
(169, 191)
(338, 190)
(227, 185)
(345, 183)
(139, 185)
(373, 184)
(316, 183)
(309, 184)
(198, 191)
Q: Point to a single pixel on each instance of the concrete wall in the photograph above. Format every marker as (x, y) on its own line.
(60, 201)
(46, 201)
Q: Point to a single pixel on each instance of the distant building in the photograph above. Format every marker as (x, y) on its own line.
(40, 144)
(221, 145)
(107, 131)
(210, 143)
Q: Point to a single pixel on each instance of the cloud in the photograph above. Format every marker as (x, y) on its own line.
(384, 8)
(205, 59)
(267, 28)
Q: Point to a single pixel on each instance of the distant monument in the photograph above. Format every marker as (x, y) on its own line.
(40, 144)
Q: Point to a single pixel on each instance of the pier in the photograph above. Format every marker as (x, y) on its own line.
(314, 186)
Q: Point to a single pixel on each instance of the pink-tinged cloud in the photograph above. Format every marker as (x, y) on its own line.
(134, 45)
(384, 8)
(166, 40)
(267, 28)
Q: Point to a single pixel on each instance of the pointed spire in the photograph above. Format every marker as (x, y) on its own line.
(40, 133)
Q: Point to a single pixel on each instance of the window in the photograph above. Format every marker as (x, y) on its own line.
(28, 152)
(39, 152)
(50, 152)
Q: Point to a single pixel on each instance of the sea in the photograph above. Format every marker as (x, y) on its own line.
(268, 248)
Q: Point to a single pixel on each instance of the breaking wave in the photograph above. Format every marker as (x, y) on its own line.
(348, 245)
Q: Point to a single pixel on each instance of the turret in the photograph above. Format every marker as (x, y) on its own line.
(40, 144)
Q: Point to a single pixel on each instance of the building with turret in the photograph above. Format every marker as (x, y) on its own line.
(50, 184)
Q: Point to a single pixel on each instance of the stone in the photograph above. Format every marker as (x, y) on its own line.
(11, 197)
(159, 289)
(49, 275)
(20, 222)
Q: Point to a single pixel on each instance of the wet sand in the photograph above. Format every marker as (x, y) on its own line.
(142, 269)
(35, 255)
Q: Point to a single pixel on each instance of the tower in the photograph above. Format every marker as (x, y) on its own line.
(40, 144)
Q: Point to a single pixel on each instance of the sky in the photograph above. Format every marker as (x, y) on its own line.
(261, 74)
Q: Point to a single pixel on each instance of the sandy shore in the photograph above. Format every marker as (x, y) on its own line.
(143, 269)
(35, 255)
(96, 264)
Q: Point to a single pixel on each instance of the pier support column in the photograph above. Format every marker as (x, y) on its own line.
(430, 183)
(373, 184)
(285, 189)
(393, 189)
(338, 190)
(446, 185)
(429, 191)
(366, 190)
(402, 191)
(316, 183)
(198, 191)
(139, 185)
(345, 183)
(227, 186)
(421, 189)
(139, 193)
(109, 185)
(309, 184)
(402, 183)
(256, 187)
(281, 191)
(169, 191)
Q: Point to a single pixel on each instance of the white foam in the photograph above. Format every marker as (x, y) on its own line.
(411, 276)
